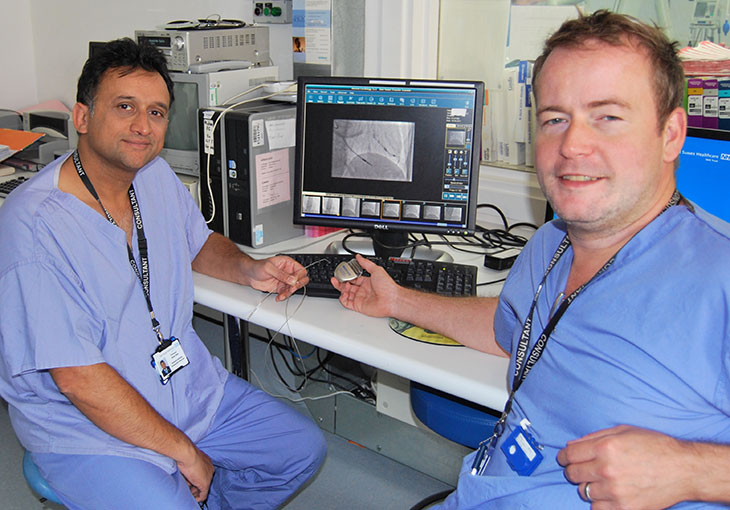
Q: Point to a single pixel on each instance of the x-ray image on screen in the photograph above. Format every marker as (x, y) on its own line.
(453, 213)
(331, 205)
(311, 204)
(455, 138)
(351, 206)
(373, 149)
(391, 209)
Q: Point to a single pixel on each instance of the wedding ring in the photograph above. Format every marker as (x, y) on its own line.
(588, 491)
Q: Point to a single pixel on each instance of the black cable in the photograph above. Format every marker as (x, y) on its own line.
(281, 378)
(503, 237)
(308, 374)
(523, 224)
(265, 340)
(491, 283)
(434, 498)
(204, 317)
(499, 212)
(294, 350)
(348, 236)
(363, 390)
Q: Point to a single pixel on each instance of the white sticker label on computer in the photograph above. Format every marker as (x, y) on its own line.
(208, 142)
(257, 133)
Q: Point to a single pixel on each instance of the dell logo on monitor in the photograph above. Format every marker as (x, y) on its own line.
(378, 226)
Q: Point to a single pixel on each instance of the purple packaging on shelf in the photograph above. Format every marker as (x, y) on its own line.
(709, 103)
(694, 102)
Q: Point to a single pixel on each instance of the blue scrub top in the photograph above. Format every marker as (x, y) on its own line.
(69, 297)
(646, 344)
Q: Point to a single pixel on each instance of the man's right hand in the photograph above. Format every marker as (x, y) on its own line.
(198, 471)
(109, 401)
(375, 296)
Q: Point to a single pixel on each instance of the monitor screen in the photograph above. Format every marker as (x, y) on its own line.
(388, 155)
(182, 130)
(181, 140)
(703, 175)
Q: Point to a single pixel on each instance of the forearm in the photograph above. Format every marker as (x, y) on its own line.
(114, 406)
(706, 472)
(468, 320)
(220, 258)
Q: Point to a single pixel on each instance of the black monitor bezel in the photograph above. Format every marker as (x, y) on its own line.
(471, 208)
(712, 134)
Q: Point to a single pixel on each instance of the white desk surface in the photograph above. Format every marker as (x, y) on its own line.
(324, 322)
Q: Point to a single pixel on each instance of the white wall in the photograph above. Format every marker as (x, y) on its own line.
(401, 38)
(45, 42)
(18, 82)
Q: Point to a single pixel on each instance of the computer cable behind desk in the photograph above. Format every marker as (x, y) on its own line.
(362, 389)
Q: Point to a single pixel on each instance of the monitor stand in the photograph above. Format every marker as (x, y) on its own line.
(387, 245)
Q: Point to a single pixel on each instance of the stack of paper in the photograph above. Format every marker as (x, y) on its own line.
(508, 124)
(706, 59)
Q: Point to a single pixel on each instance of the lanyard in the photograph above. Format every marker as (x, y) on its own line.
(144, 275)
(524, 362)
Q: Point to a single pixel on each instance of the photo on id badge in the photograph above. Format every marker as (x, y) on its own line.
(168, 358)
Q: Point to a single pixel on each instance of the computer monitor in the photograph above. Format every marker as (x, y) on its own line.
(388, 156)
(703, 175)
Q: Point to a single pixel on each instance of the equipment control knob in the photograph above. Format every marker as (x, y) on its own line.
(179, 43)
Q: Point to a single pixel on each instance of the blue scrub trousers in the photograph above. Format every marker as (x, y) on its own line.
(262, 450)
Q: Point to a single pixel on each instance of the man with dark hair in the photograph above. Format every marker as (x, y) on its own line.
(108, 385)
(615, 316)
(120, 54)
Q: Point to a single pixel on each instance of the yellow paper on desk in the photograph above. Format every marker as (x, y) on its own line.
(419, 334)
(18, 140)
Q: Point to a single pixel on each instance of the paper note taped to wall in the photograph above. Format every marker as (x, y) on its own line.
(272, 178)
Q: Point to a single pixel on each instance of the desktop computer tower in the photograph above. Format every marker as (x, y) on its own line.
(247, 156)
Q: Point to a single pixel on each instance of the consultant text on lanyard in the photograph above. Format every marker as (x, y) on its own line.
(169, 356)
(521, 449)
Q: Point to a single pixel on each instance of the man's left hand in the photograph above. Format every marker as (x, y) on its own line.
(279, 274)
(627, 467)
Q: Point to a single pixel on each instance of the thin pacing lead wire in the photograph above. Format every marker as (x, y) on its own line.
(296, 346)
(286, 323)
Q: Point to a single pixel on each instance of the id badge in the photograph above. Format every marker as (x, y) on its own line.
(168, 358)
(522, 450)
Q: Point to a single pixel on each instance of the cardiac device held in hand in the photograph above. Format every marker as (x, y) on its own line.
(348, 270)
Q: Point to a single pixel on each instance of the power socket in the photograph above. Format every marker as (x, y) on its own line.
(273, 11)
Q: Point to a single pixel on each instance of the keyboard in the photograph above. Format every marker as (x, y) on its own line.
(444, 278)
(8, 186)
